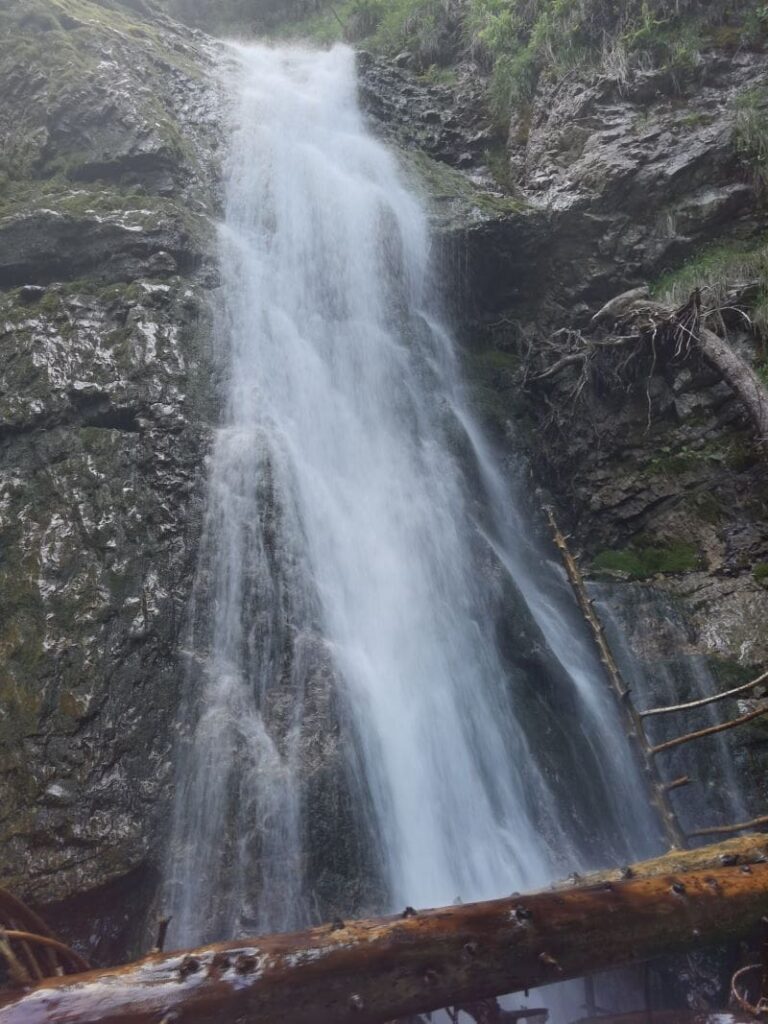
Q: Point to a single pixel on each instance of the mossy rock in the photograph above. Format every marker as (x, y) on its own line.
(640, 563)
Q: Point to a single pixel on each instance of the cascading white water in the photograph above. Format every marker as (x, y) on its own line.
(343, 529)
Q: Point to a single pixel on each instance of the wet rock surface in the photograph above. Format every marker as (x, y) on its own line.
(620, 180)
(449, 122)
(110, 138)
(613, 182)
(109, 135)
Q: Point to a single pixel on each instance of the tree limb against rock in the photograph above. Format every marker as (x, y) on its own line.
(640, 319)
(365, 972)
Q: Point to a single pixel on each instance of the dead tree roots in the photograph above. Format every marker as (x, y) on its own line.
(638, 324)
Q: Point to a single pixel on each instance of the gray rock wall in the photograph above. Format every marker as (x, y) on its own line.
(109, 131)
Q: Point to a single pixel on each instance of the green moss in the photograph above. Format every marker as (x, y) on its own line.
(497, 159)
(58, 45)
(521, 41)
(492, 367)
(760, 573)
(735, 450)
(436, 75)
(443, 186)
(695, 118)
(525, 40)
(492, 377)
(730, 673)
(643, 562)
(707, 505)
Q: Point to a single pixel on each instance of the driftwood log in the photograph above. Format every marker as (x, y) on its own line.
(384, 968)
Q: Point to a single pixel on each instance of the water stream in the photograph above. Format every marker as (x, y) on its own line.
(391, 698)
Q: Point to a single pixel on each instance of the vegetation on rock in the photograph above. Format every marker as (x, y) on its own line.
(641, 562)
(721, 269)
(516, 41)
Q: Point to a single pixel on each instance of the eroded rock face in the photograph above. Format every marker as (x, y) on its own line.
(109, 135)
(447, 122)
(618, 180)
(645, 165)
(625, 180)
(663, 453)
(108, 191)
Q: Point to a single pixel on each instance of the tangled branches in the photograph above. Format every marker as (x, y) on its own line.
(641, 327)
(29, 949)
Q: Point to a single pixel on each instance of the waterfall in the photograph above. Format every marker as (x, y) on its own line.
(651, 644)
(390, 699)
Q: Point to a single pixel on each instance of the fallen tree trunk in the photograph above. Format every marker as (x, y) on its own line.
(744, 851)
(384, 968)
(736, 372)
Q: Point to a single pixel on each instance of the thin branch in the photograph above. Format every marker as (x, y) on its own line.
(723, 830)
(657, 792)
(755, 1011)
(688, 737)
(706, 700)
(79, 962)
(19, 975)
(15, 913)
(676, 783)
(574, 357)
(334, 12)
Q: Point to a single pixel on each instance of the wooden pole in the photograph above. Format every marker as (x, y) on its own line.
(376, 970)
(634, 721)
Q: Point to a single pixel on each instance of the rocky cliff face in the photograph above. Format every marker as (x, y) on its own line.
(616, 181)
(108, 134)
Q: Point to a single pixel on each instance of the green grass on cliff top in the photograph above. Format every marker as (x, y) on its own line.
(719, 269)
(519, 40)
